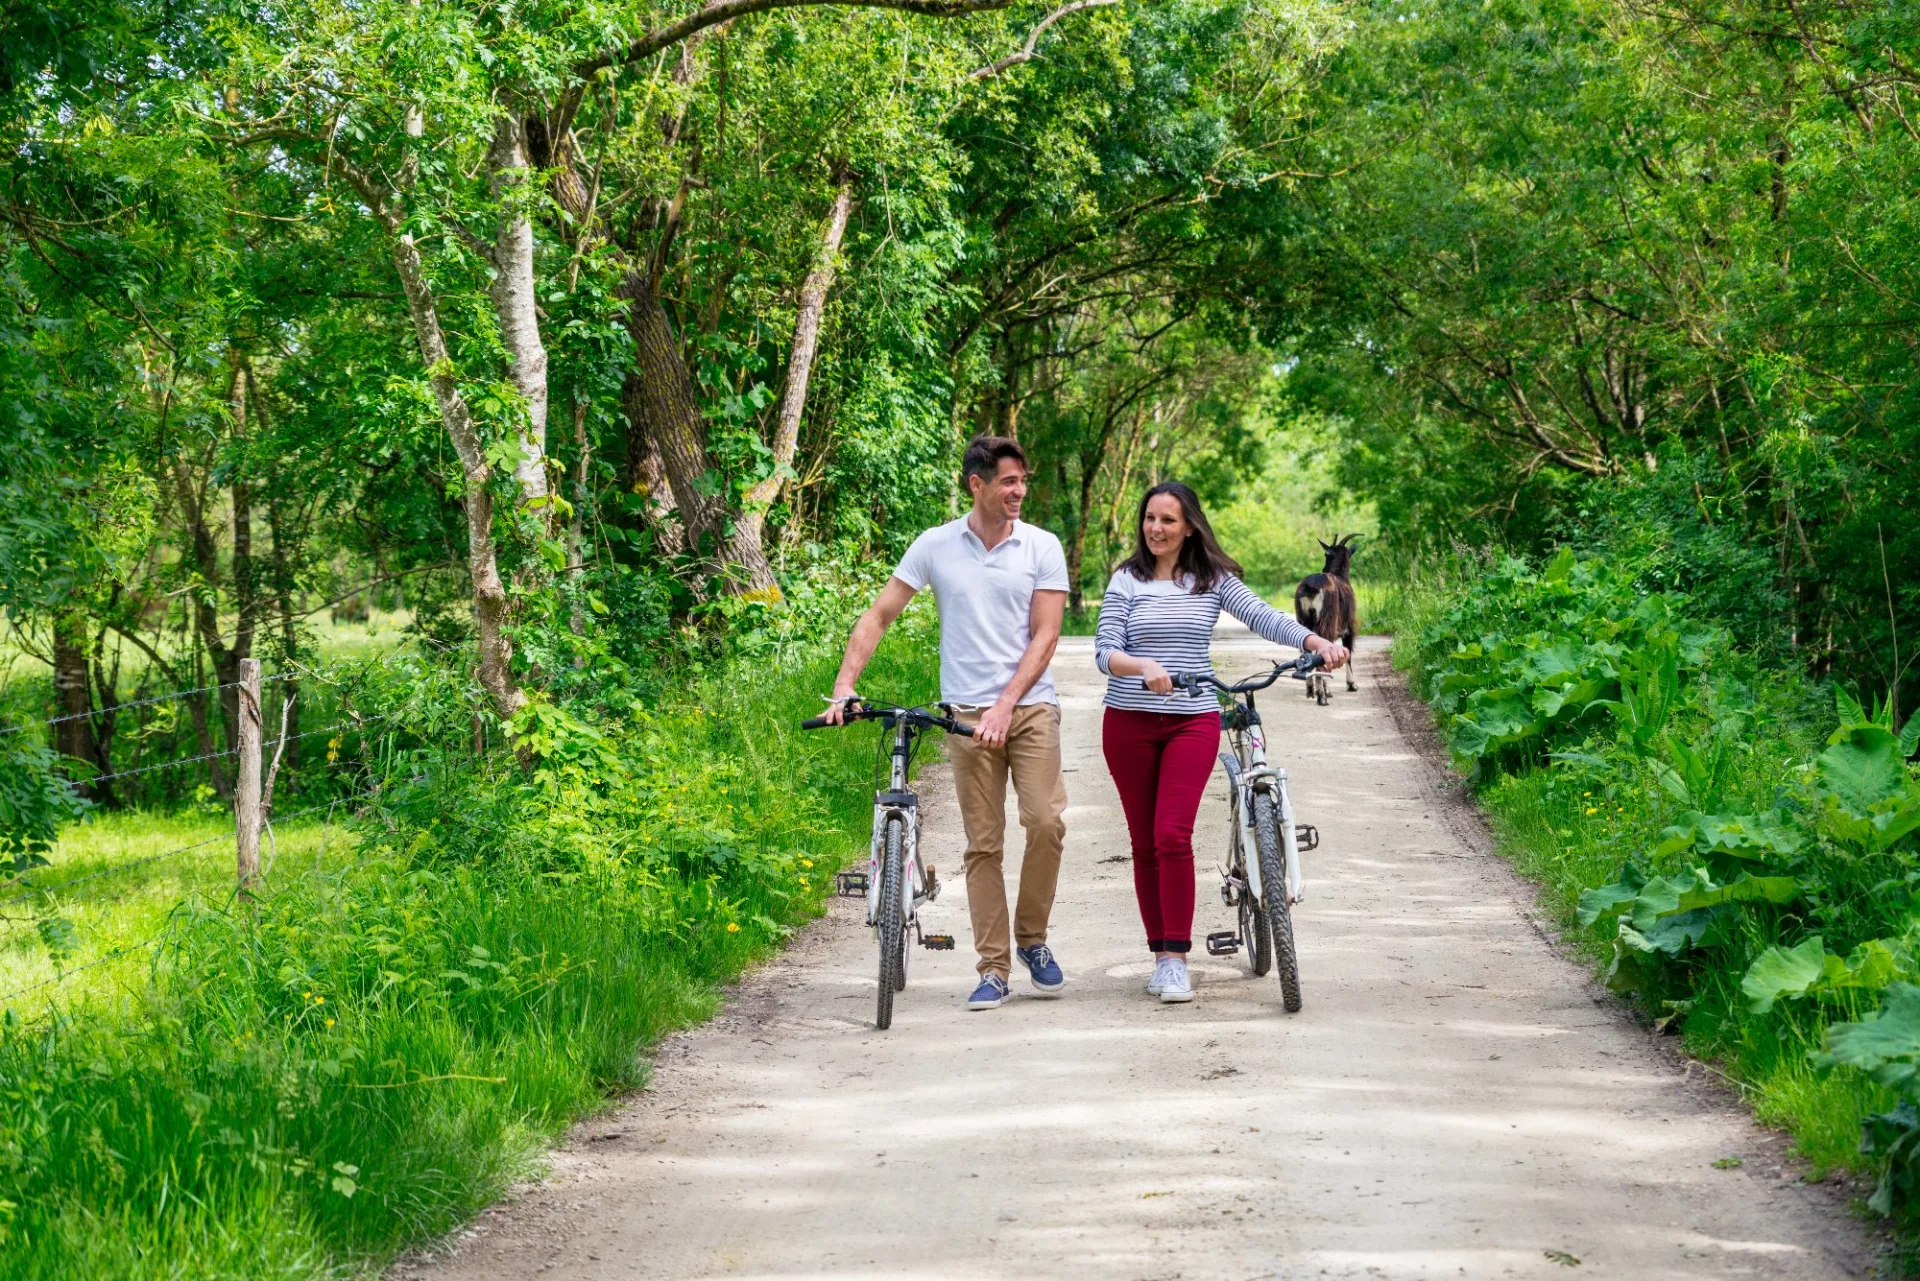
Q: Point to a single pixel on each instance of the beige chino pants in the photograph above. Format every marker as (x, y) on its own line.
(1031, 755)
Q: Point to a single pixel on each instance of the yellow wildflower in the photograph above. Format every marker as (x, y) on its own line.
(733, 927)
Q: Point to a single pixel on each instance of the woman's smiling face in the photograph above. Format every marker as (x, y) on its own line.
(1165, 526)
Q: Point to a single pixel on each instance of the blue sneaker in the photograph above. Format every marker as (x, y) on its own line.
(992, 991)
(1047, 978)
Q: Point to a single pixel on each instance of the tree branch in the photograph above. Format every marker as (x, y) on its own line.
(715, 12)
(1026, 52)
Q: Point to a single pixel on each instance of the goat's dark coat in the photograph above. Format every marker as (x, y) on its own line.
(1324, 602)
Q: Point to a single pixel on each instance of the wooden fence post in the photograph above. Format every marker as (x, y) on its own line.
(246, 788)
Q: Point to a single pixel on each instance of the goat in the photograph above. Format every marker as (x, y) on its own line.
(1324, 602)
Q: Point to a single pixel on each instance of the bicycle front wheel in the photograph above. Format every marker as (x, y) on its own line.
(891, 926)
(1255, 934)
(1273, 893)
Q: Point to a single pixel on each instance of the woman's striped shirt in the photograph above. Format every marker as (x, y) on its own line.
(1167, 621)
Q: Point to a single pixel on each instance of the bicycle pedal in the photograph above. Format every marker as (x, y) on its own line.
(1306, 836)
(937, 942)
(850, 884)
(1224, 943)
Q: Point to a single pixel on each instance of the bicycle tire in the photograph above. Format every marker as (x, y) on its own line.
(1255, 934)
(1273, 886)
(892, 926)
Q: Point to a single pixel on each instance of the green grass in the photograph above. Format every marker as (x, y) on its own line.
(116, 882)
(372, 1052)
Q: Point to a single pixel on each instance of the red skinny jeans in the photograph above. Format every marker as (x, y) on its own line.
(1160, 761)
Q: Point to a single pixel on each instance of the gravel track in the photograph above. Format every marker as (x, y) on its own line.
(1456, 1099)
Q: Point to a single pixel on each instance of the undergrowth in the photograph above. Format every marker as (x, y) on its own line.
(370, 1052)
(1734, 846)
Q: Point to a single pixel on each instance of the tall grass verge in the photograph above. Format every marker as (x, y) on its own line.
(368, 1054)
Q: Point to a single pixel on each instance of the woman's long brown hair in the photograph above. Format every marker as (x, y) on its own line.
(1200, 556)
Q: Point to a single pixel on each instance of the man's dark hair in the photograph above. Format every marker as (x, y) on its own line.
(985, 454)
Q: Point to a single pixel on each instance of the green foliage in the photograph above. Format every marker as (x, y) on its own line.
(1564, 289)
(373, 1053)
(34, 803)
(1534, 660)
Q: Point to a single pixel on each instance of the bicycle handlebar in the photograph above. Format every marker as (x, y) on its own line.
(912, 715)
(1194, 680)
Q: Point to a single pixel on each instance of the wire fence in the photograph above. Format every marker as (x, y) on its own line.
(90, 896)
(138, 702)
(174, 913)
(270, 745)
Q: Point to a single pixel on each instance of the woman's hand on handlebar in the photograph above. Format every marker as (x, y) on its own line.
(1332, 653)
(1155, 677)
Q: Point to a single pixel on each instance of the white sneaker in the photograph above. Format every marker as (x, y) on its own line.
(1158, 982)
(1176, 984)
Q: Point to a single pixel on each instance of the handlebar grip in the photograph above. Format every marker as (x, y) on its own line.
(1311, 660)
(964, 731)
(814, 722)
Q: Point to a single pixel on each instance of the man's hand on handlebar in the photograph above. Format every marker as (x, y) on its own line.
(1332, 653)
(836, 713)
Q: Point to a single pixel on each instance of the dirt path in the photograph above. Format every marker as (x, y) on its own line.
(1454, 1101)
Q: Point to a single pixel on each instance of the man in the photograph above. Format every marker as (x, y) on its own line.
(1001, 585)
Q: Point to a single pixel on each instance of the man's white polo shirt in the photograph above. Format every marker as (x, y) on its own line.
(986, 603)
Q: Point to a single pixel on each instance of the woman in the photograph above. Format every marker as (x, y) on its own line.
(1160, 743)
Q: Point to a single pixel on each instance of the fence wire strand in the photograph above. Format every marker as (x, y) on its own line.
(139, 702)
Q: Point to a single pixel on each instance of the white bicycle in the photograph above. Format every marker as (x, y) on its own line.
(1263, 887)
(895, 883)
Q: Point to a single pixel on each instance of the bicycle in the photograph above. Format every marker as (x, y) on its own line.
(895, 884)
(1265, 887)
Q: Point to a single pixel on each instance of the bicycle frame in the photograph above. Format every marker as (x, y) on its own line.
(899, 802)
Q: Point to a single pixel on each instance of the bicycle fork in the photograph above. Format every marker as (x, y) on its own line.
(1266, 778)
(919, 886)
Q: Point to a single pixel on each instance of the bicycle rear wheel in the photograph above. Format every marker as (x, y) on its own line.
(1273, 894)
(892, 928)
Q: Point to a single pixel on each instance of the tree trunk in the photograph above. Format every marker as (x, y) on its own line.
(577, 520)
(515, 302)
(646, 475)
(489, 593)
(748, 530)
(73, 697)
(665, 405)
(281, 570)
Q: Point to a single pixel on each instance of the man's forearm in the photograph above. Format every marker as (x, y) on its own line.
(860, 646)
(1033, 664)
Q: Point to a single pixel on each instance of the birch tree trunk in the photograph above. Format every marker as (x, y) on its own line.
(751, 525)
(489, 593)
(515, 302)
